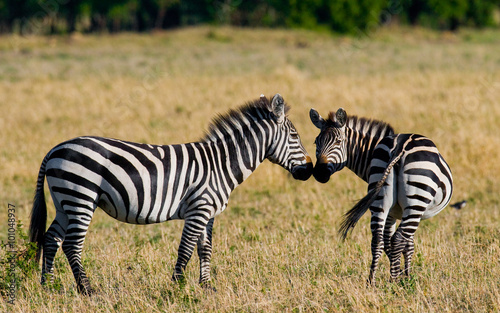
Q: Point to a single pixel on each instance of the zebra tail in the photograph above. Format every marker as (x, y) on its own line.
(352, 216)
(39, 213)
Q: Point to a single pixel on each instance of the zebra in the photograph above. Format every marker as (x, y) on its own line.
(407, 177)
(143, 183)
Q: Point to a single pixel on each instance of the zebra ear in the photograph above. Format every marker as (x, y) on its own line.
(278, 108)
(341, 117)
(263, 100)
(316, 119)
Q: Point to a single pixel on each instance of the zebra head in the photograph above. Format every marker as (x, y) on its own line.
(331, 144)
(286, 149)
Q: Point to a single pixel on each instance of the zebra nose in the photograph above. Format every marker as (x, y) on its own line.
(322, 171)
(303, 171)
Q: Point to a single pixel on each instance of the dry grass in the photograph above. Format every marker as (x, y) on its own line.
(276, 247)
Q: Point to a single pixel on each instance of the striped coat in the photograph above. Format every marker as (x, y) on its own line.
(407, 177)
(142, 183)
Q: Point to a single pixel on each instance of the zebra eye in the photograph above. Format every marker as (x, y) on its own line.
(294, 135)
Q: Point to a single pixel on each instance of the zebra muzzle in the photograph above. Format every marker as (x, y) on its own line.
(303, 171)
(322, 171)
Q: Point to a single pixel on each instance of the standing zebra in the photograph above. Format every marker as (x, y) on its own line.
(142, 184)
(407, 177)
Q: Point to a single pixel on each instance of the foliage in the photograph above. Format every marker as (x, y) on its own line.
(16, 262)
(353, 16)
(344, 16)
(450, 14)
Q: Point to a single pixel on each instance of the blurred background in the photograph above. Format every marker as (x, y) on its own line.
(343, 16)
(158, 71)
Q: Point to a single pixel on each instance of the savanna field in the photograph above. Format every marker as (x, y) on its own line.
(276, 247)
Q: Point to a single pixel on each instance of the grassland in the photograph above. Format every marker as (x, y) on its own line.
(275, 247)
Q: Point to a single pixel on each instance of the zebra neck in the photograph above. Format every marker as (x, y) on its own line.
(359, 152)
(240, 158)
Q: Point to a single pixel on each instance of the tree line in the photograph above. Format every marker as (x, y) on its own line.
(342, 16)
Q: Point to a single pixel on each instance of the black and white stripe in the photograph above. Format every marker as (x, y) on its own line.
(407, 177)
(142, 183)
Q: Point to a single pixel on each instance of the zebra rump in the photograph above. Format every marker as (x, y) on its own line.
(352, 216)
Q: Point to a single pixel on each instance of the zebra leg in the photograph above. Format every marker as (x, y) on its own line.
(73, 246)
(193, 228)
(408, 254)
(205, 254)
(398, 243)
(402, 242)
(389, 229)
(377, 227)
(380, 218)
(53, 240)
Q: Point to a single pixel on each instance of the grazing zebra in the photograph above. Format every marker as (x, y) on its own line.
(143, 184)
(407, 177)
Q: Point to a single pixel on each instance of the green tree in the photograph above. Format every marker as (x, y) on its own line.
(449, 14)
(348, 16)
(480, 12)
(163, 6)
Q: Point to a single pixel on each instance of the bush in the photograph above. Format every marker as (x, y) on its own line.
(344, 16)
(480, 12)
(349, 16)
(19, 265)
(449, 15)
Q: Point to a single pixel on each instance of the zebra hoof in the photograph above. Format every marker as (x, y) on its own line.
(86, 290)
(83, 285)
(370, 282)
(178, 278)
(395, 279)
(207, 286)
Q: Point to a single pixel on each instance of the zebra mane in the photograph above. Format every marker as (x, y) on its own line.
(366, 126)
(235, 120)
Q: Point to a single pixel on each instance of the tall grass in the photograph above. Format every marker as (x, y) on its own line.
(276, 247)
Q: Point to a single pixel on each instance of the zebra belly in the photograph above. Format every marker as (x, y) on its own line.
(154, 214)
(151, 215)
